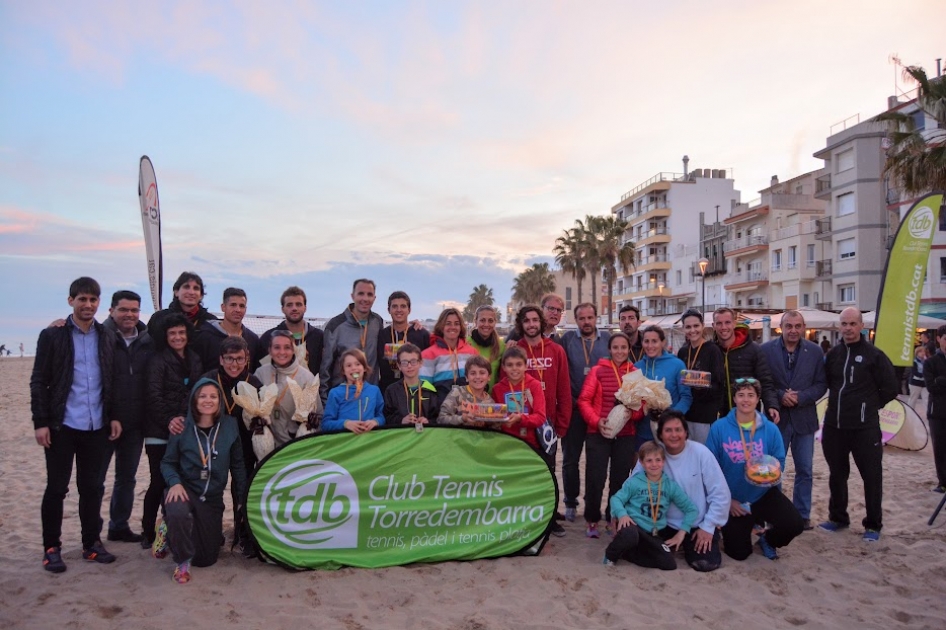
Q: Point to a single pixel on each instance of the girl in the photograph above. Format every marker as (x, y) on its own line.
(354, 405)
(659, 365)
(478, 372)
(284, 364)
(522, 395)
(595, 403)
(445, 360)
(701, 359)
(195, 467)
(485, 340)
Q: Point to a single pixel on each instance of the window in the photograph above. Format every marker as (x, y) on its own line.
(679, 277)
(793, 257)
(845, 204)
(777, 260)
(811, 254)
(846, 293)
(845, 160)
(568, 295)
(799, 189)
(804, 299)
(846, 249)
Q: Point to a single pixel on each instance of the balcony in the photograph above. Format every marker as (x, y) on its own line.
(746, 280)
(745, 245)
(824, 306)
(650, 289)
(658, 181)
(823, 187)
(650, 237)
(823, 268)
(823, 229)
(649, 263)
(799, 229)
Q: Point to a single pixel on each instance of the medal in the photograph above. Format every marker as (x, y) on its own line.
(204, 475)
(397, 374)
(543, 386)
(275, 414)
(587, 370)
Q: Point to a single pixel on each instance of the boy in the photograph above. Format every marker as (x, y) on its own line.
(522, 395)
(410, 400)
(647, 496)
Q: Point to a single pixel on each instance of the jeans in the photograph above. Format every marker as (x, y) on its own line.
(572, 444)
(127, 450)
(803, 453)
(867, 449)
(774, 508)
(599, 452)
(86, 448)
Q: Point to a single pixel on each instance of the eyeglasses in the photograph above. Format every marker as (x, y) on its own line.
(409, 362)
(131, 311)
(751, 381)
(554, 309)
(234, 360)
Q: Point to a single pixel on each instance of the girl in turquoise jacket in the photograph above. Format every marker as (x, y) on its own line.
(354, 405)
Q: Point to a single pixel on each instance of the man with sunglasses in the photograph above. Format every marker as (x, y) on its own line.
(797, 367)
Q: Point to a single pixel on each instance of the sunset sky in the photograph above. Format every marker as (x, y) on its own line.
(429, 146)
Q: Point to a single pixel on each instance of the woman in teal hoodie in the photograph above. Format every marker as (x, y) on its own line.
(196, 466)
(658, 364)
(735, 439)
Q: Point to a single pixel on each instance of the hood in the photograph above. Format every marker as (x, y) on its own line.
(606, 362)
(731, 418)
(440, 343)
(740, 337)
(190, 399)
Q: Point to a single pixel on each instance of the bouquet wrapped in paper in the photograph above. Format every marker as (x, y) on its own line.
(257, 413)
(306, 401)
(636, 392)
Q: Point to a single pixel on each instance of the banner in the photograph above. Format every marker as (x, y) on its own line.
(901, 288)
(893, 415)
(151, 223)
(398, 496)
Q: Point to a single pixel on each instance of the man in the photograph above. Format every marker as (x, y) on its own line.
(629, 317)
(133, 349)
(934, 375)
(553, 306)
(399, 332)
(742, 359)
(293, 305)
(358, 327)
(797, 367)
(861, 380)
(583, 348)
(70, 398)
(207, 344)
(546, 361)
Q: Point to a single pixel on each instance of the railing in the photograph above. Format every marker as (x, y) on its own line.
(823, 184)
(850, 121)
(824, 306)
(808, 227)
(823, 268)
(746, 276)
(776, 267)
(792, 264)
(745, 241)
(823, 226)
(656, 258)
(660, 231)
(659, 177)
(650, 286)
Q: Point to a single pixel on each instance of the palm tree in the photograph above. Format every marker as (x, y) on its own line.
(482, 295)
(534, 282)
(590, 240)
(570, 254)
(613, 252)
(916, 157)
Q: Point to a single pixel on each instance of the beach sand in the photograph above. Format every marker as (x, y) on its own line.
(821, 581)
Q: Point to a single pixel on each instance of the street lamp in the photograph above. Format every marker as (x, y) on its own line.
(660, 302)
(703, 263)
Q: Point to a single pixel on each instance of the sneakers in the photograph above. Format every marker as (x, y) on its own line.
(833, 526)
(592, 531)
(559, 516)
(182, 574)
(52, 560)
(607, 563)
(767, 550)
(98, 553)
(806, 525)
(557, 529)
(608, 529)
(570, 514)
(124, 535)
(940, 489)
(871, 535)
(159, 549)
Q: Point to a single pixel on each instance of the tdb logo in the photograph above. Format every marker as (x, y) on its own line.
(312, 504)
(921, 223)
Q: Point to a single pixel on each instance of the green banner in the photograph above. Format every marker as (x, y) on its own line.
(902, 286)
(397, 496)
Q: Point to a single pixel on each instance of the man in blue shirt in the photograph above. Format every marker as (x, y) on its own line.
(70, 398)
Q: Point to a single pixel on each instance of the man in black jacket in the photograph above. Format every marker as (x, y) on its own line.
(934, 373)
(308, 338)
(70, 397)
(861, 380)
(742, 358)
(133, 348)
(214, 331)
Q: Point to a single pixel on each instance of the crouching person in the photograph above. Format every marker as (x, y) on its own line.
(195, 467)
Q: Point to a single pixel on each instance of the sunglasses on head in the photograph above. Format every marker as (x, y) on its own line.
(751, 381)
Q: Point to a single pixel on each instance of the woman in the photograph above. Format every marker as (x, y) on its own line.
(171, 373)
(595, 403)
(703, 361)
(694, 468)
(195, 467)
(485, 340)
(742, 435)
(188, 293)
(284, 365)
(659, 365)
(476, 390)
(444, 362)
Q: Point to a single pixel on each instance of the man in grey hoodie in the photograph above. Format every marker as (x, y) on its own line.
(356, 327)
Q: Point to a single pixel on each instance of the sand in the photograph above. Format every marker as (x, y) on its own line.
(821, 581)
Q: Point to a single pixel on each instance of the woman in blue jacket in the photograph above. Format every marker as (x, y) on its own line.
(658, 364)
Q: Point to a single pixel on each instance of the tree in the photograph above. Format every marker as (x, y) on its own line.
(571, 254)
(916, 157)
(482, 295)
(589, 247)
(531, 284)
(613, 252)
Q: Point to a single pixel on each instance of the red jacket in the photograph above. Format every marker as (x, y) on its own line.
(535, 407)
(548, 363)
(597, 396)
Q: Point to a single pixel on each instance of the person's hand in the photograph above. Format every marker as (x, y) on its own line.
(176, 425)
(790, 398)
(354, 426)
(367, 425)
(42, 437)
(676, 540)
(513, 419)
(773, 415)
(417, 324)
(625, 521)
(116, 430)
(736, 509)
(57, 323)
(702, 540)
(176, 493)
(409, 419)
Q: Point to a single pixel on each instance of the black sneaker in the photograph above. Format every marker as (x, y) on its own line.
(52, 560)
(557, 529)
(98, 553)
(124, 535)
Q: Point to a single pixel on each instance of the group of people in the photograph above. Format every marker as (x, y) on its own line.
(676, 478)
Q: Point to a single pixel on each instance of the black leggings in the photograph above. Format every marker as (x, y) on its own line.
(774, 508)
(643, 549)
(155, 494)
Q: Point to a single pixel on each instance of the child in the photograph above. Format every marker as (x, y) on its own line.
(647, 495)
(522, 395)
(410, 400)
(354, 405)
(453, 410)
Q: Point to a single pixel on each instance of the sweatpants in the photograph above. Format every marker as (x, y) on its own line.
(194, 528)
(87, 450)
(706, 561)
(774, 508)
(155, 493)
(642, 548)
(867, 449)
(599, 452)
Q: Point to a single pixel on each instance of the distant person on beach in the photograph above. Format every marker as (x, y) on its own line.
(357, 327)
(399, 332)
(214, 331)
(553, 307)
(189, 291)
(3, 348)
(309, 340)
(70, 399)
(21, 350)
(917, 382)
(825, 344)
(934, 372)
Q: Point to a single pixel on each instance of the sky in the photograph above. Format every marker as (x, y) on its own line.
(429, 146)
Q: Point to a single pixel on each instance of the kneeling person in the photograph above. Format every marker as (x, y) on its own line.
(410, 400)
